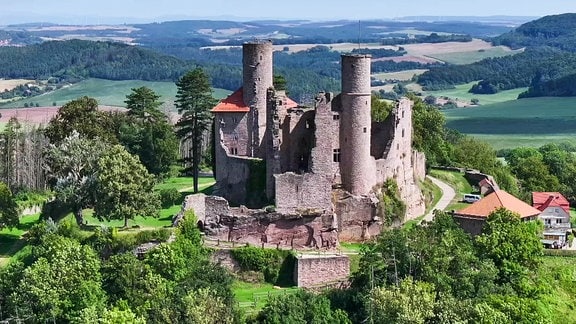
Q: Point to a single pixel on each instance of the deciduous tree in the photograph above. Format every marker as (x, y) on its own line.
(8, 208)
(124, 187)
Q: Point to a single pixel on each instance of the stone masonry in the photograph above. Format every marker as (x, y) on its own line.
(312, 270)
(323, 164)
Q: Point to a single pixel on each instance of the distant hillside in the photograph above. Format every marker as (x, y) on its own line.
(75, 59)
(555, 31)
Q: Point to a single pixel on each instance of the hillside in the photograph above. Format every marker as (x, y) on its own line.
(75, 59)
(555, 31)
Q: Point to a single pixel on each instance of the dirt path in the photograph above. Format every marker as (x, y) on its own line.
(448, 194)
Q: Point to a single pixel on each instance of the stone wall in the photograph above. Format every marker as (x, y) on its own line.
(232, 132)
(307, 229)
(298, 192)
(356, 217)
(472, 226)
(313, 270)
(356, 164)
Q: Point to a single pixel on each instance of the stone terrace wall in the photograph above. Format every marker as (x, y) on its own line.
(312, 270)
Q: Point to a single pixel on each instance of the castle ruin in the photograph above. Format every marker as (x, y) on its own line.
(321, 166)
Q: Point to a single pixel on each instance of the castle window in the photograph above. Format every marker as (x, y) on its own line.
(336, 117)
(402, 132)
(234, 151)
(336, 155)
(222, 123)
(402, 113)
(365, 129)
(234, 120)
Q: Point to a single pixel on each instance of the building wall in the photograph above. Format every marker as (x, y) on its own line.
(356, 165)
(326, 137)
(298, 192)
(318, 270)
(553, 214)
(257, 79)
(232, 129)
(356, 217)
(400, 162)
(471, 226)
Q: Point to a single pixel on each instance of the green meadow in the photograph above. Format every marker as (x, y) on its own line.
(107, 92)
(524, 122)
(460, 58)
(460, 92)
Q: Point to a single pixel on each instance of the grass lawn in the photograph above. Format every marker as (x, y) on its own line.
(11, 240)
(524, 122)
(401, 75)
(559, 277)
(473, 56)
(107, 92)
(184, 183)
(461, 93)
(253, 296)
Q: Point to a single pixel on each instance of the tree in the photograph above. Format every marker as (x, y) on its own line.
(63, 280)
(300, 307)
(145, 131)
(71, 167)
(81, 115)
(410, 302)
(124, 187)
(194, 101)
(143, 104)
(8, 208)
(512, 244)
(380, 109)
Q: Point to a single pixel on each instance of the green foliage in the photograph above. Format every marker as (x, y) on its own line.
(194, 101)
(380, 109)
(125, 189)
(188, 228)
(8, 208)
(276, 265)
(513, 245)
(410, 302)
(28, 199)
(429, 133)
(391, 208)
(256, 184)
(169, 197)
(80, 115)
(301, 307)
(279, 82)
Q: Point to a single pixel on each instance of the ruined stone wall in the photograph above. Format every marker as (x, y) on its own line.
(232, 175)
(356, 217)
(398, 163)
(314, 270)
(232, 130)
(297, 141)
(257, 79)
(274, 138)
(419, 165)
(326, 138)
(299, 192)
(356, 165)
(309, 229)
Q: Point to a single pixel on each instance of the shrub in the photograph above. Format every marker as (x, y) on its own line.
(276, 265)
(169, 197)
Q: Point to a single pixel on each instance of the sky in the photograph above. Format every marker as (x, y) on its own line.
(100, 11)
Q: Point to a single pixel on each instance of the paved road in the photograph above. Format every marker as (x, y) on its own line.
(448, 194)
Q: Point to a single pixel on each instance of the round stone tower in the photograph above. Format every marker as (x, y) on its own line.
(257, 79)
(356, 164)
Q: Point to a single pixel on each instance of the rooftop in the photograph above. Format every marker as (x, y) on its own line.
(498, 199)
(234, 103)
(543, 200)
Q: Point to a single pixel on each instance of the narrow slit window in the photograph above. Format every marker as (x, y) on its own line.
(336, 155)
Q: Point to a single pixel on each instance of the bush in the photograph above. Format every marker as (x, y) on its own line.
(169, 197)
(160, 235)
(276, 265)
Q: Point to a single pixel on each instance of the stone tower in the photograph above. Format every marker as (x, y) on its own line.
(356, 164)
(257, 77)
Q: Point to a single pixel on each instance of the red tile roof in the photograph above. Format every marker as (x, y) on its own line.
(543, 200)
(235, 103)
(498, 199)
(232, 103)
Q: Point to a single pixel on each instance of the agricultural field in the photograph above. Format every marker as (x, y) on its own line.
(524, 122)
(473, 56)
(12, 83)
(406, 75)
(108, 93)
(460, 93)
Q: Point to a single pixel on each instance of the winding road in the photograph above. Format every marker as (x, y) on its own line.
(448, 194)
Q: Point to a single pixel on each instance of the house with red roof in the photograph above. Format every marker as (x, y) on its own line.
(555, 214)
(473, 217)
